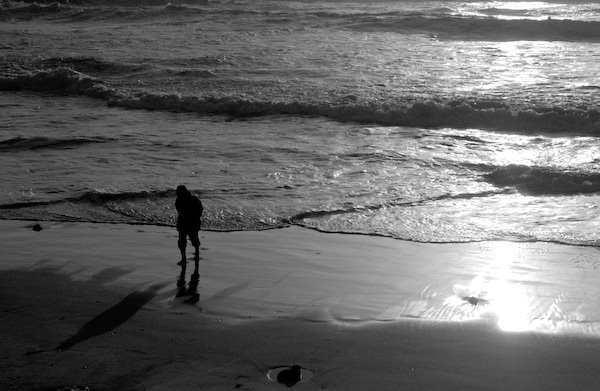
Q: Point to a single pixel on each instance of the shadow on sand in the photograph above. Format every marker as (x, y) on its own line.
(112, 317)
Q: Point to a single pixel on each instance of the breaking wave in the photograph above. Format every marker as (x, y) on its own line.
(316, 214)
(458, 114)
(97, 197)
(543, 180)
(156, 208)
(137, 207)
(484, 28)
(60, 80)
(427, 114)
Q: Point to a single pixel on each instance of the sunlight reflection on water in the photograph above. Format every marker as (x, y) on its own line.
(509, 286)
(499, 293)
(512, 306)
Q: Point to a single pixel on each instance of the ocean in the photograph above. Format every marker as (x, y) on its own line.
(429, 121)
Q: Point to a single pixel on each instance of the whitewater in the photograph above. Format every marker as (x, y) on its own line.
(437, 121)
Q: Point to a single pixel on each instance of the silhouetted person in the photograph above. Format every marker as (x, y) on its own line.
(189, 209)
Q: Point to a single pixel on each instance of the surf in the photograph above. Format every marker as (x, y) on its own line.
(456, 113)
(484, 28)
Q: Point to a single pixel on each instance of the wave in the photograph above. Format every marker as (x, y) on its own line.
(30, 11)
(494, 11)
(137, 207)
(119, 3)
(33, 143)
(483, 28)
(483, 114)
(544, 181)
(299, 218)
(60, 80)
(458, 114)
(83, 10)
(156, 208)
(443, 23)
(88, 65)
(97, 197)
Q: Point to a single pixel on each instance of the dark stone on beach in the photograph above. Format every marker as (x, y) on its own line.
(290, 377)
(474, 300)
(37, 228)
(471, 300)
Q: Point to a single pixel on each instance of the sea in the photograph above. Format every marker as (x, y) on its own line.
(429, 121)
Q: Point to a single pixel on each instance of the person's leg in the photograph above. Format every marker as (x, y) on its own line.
(182, 243)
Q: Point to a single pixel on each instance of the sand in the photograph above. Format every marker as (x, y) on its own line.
(93, 305)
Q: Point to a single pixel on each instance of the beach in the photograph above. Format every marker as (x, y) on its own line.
(93, 305)
(398, 195)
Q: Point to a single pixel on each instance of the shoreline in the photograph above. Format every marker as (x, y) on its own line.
(303, 226)
(93, 305)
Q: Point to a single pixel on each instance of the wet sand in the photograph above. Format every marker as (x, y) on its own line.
(93, 305)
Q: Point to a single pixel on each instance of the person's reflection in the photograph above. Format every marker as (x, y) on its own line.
(192, 288)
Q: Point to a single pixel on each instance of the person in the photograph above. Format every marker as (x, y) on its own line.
(189, 211)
